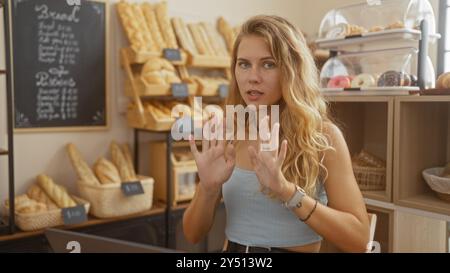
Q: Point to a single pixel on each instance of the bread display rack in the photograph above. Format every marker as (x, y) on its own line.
(8, 227)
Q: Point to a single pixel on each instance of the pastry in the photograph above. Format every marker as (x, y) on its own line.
(56, 192)
(391, 78)
(363, 80)
(376, 29)
(36, 193)
(339, 82)
(396, 25)
(24, 204)
(81, 167)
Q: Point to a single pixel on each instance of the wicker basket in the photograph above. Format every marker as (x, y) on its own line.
(108, 200)
(37, 221)
(370, 178)
(440, 185)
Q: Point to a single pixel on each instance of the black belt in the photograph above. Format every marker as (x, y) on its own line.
(233, 247)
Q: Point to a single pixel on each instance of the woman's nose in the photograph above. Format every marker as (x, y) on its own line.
(255, 75)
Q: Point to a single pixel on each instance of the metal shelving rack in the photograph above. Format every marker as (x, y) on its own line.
(8, 227)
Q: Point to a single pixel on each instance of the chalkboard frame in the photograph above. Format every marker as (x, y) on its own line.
(106, 126)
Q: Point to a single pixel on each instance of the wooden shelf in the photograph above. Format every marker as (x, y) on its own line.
(3, 152)
(368, 125)
(384, 228)
(422, 133)
(154, 90)
(142, 57)
(158, 208)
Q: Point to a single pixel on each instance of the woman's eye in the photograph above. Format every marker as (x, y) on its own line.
(269, 65)
(244, 65)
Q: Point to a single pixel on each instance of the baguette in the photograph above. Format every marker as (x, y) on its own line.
(164, 24)
(127, 154)
(106, 172)
(56, 192)
(36, 193)
(120, 162)
(184, 37)
(227, 32)
(81, 167)
(153, 26)
(198, 40)
(215, 40)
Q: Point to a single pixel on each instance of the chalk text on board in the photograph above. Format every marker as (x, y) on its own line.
(45, 13)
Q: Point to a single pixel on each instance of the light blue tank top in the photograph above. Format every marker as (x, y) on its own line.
(254, 219)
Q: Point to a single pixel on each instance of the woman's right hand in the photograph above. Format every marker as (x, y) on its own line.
(215, 163)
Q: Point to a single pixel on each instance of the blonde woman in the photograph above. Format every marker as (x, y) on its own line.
(287, 200)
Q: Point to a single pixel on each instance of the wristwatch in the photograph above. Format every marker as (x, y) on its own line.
(296, 200)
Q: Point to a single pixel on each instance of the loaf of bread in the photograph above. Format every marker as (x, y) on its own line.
(164, 24)
(119, 160)
(127, 154)
(184, 36)
(36, 193)
(209, 48)
(24, 204)
(227, 32)
(81, 167)
(153, 26)
(106, 172)
(56, 192)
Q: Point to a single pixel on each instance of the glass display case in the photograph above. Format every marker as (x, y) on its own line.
(391, 69)
(378, 17)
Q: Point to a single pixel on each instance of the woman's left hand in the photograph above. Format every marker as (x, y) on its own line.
(268, 164)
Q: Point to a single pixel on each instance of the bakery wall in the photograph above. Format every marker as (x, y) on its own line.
(40, 152)
(44, 152)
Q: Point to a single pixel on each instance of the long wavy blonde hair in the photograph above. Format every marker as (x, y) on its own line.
(303, 111)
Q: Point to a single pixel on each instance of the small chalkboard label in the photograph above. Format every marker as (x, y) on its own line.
(172, 54)
(132, 188)
(74, 215)
(179, 90)
(223, 90)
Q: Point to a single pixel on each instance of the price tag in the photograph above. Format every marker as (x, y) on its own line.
(172, 54)
(179, 90)
(223, 90)
(74, 215)
(132, 188)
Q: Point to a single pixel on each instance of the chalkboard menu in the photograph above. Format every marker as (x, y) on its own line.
(59, 63)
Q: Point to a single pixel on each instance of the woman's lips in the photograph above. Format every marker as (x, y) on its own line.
(254, 95)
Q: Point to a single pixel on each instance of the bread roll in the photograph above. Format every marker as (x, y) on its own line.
(56, 192)
(164, 23)
(443, 81)
(119, 160)
(81, 167)
(23, 204)
(36, 193)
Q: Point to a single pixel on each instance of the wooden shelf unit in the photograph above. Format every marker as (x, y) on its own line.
(367, 123)
(421, 141)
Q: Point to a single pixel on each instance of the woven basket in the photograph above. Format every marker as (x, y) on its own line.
(370, 178)
(36, 221)
(440, 185)
(108, 200)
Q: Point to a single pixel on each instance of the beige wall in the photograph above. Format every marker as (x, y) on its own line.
(44, 152)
